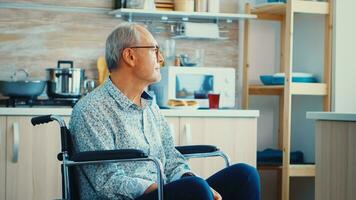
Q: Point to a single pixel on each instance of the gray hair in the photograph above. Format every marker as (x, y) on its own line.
(123, 36)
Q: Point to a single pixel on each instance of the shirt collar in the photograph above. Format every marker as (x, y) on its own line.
(122, 99)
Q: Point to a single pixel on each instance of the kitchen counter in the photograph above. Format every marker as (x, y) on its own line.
(65, 111)
(335, 150)
(331, 116)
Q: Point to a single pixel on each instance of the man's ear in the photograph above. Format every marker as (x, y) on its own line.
(128, 57)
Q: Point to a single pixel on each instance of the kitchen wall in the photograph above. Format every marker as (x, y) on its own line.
(344, 57)
(36, 34)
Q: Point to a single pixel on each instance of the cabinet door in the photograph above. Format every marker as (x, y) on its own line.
(174, 125)
(237, 137)
(2, 156)
(33, 171)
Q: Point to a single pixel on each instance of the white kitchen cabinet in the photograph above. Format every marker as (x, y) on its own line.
(2, 156)
(237, 137)
(32, 169)
(174, 125)
(35, 172)
(234, 136)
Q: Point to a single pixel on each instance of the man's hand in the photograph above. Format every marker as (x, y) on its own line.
(216, 195)
(151, 188)
(154, 187)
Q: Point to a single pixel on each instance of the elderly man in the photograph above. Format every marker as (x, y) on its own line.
(121, 115)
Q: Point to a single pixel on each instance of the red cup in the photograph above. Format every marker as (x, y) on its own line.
(213, 100)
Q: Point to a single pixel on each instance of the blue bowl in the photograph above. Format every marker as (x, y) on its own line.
(267, 79)
(280, 80)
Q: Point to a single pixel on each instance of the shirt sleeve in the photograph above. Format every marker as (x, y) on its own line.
(108, 180)
(176, 165)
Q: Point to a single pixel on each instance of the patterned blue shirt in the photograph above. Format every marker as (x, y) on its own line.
(106, 119)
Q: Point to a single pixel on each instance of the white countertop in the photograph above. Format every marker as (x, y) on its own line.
(211, 113)
(65, 111)
(331, 116)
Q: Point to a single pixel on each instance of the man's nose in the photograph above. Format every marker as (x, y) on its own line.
(160, 58)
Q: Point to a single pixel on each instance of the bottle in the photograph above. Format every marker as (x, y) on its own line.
(201, 5)
(135, 4)
(184, 5)
(149, 5)
(177, 61)
(120, 4)
(213, 6)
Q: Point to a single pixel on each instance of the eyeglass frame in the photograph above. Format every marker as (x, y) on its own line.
(156, 47)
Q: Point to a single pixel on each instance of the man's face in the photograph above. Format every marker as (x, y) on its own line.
(147, 65)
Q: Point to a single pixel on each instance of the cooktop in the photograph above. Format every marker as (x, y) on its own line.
(30, 102)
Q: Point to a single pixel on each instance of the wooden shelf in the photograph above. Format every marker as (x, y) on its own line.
(269, 167)
(270, 8)
(294, 170)
(266, 89)
(299, 6)
(309, 89)
(177, 15)
(302, 170)
(296, 89)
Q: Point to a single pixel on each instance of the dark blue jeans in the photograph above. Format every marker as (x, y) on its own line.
(237, 182)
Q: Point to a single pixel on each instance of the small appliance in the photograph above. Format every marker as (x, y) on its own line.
(195, 83)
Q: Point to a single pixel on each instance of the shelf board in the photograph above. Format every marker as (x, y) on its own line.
(294, 170)
(266, 89)
(299, 6)
(184, 16)
(296, 89)
(309, 89)
(269, 167)
(270, 8)
(302, 170)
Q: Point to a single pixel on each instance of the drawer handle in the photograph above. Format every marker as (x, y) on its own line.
(15, 144)
(187, 139)
(171, 127)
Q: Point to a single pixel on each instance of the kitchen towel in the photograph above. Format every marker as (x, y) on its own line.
(200, 30)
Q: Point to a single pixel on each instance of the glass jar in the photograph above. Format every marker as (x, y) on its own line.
(184, 5)
(135, 4)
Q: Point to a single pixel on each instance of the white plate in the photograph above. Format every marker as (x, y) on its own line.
(295, 74)
(184, 107)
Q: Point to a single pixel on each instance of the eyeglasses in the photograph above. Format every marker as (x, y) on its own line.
(154, 47)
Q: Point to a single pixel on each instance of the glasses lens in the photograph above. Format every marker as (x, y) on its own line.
(158, 51)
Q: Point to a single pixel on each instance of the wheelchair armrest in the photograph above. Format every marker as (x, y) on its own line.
(106, 155)
(193, 149)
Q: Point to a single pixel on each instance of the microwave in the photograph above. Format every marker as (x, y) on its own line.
(195, 83)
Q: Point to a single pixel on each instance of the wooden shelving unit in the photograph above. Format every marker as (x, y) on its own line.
(302, 170)
(284, 13)
(296, 89)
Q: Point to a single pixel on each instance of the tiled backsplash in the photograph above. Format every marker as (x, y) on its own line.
(36, 37)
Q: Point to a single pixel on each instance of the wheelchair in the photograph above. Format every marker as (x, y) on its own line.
(70, 159)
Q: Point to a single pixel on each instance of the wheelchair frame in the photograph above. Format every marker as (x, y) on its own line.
(193, 151)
